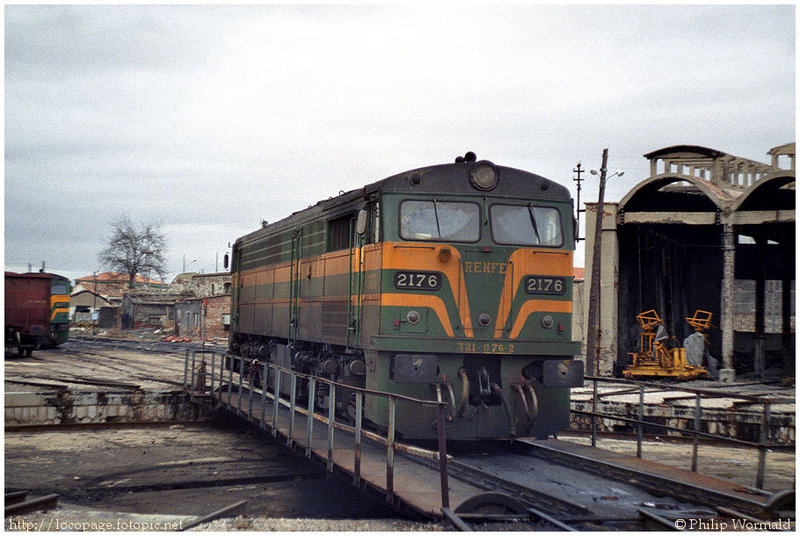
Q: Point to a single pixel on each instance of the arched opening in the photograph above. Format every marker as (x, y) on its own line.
(670, 257)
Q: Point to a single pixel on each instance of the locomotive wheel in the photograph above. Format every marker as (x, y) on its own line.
(492, 503)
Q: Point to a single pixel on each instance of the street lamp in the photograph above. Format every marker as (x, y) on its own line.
(618, 173)
(185, 265)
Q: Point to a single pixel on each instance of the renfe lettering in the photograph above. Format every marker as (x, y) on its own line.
(477, 267)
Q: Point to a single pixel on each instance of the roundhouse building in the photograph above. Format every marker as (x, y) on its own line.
(711, 231)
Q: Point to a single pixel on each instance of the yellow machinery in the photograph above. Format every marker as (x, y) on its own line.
(655, 359)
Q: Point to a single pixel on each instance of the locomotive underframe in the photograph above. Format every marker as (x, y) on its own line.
(488, 395)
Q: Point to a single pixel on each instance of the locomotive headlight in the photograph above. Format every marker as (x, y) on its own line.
(484, 320)
(412, 317)
(547, 321)
(483, 176)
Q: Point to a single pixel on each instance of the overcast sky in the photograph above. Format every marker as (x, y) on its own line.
(208, 119)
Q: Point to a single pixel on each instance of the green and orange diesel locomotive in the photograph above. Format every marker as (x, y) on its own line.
(451, 282)
(36, 311)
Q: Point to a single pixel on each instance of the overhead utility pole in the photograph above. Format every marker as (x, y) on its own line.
(593, 332)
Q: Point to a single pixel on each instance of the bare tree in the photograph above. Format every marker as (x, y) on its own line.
(135, 249)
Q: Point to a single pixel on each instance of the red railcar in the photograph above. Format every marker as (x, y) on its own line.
(36, 310)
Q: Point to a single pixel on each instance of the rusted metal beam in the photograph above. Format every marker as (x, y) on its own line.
(457, 522)
(550, 519)
(15, 497)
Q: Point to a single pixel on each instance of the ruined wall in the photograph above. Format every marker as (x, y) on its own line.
(68, 407)
(201, 285)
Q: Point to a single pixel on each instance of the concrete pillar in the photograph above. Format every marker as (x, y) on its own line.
(760, 318)
(607, 323)
(787, 277)
(727, 372)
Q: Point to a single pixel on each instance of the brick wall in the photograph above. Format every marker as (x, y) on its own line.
(217, 307)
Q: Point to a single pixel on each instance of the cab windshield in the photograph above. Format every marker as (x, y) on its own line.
(450, 221)
(526, 225)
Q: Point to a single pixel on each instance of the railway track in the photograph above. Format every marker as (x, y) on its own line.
(102, 364)
(145, 345)
(700, 494)
(526, 490)
(531, 485)
(521, 494)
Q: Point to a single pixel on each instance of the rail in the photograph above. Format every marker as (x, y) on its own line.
(763, 444)
(194, 383)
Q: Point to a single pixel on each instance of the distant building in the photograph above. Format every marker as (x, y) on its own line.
(148, 308)
(85, 306)
(110, 285)
(178, 308)
(97, 299)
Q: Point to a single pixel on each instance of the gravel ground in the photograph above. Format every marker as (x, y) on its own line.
(163, 477)
(316, 525)
(78, 519)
